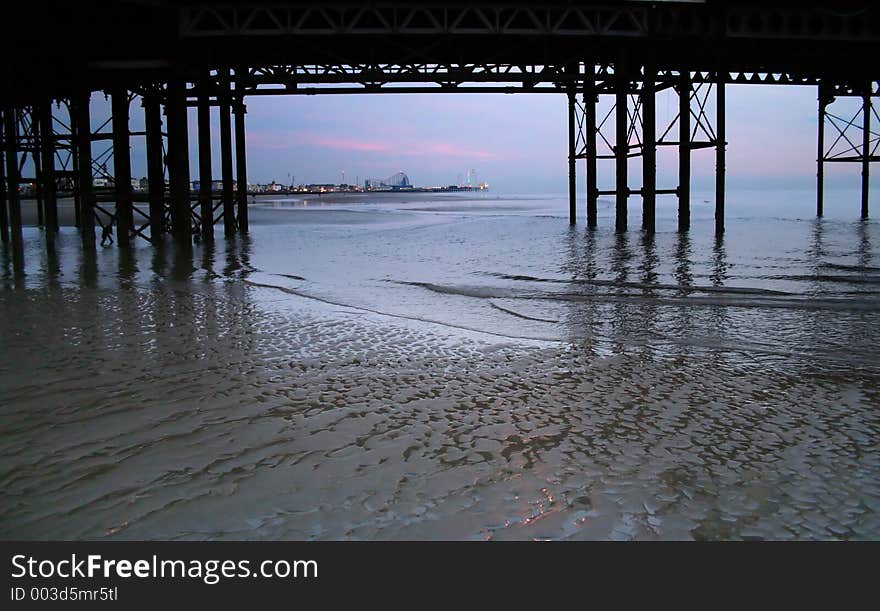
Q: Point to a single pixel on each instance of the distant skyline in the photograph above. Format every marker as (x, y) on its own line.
(516, 143)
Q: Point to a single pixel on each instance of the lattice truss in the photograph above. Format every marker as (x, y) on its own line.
(429, 77)
(703, 119)
(102, 167)
(377, 77)
(36, 126)
(844, 133)
(217, 90)
(541, 19)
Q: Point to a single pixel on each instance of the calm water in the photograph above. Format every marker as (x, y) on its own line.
(464, 367)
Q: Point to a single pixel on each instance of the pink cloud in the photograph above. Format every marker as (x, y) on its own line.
(410, 146)
(289, 139)
(343, 144)
(449, 149)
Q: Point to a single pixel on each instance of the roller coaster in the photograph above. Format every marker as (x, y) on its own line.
(393, 183)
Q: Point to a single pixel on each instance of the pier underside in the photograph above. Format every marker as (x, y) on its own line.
(172, 55)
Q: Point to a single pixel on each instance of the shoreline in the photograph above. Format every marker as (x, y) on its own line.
(66, 213)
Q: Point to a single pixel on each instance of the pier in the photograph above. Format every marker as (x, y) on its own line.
(161, 58)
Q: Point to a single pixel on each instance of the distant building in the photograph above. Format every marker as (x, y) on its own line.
(216, 186)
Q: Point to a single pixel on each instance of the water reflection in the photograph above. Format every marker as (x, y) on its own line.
(719, 263)
(13, 264)
(650, 261)
(127, 267)
(88, 267)
(865, 248)
(683, 267)
(52, 264)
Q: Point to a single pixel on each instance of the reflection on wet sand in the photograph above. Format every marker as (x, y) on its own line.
(152, 393)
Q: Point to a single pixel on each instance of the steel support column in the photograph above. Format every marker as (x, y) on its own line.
(621, 150)
(684, 151)
(866, 148)
(36, 141)
(226, 158)
(74, 158)
(10, 142)
(206, 204)
(155, 166)
(720, 152)
(122, 166)
(649, 150)
(84, 185)
(241, 159)
(178, 160)
(47, 154)
(572, 176)
(591, 152)
(820, 154)
(4, 218)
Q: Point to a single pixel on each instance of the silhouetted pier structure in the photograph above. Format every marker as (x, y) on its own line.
(170, 55)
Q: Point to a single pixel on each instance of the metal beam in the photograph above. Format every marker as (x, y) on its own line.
(83, 122)
(206, 204)
(74, 165)
(820, 154)
(572, 175)
(47, 153)
(649, 149)
(178, 161)
(621, 151)
(4, 218)
(226, 158)
(122, 166)
(155, 165)
(684, 151)
(720, 154)
(590, 136)
(241, 161)
(10, 129)
(866, 149)
(34, 151)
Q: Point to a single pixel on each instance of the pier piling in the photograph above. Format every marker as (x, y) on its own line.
(649, 149)
(572, 176)
(47, 154)
(84, 186)
(13, 177)
(155, 165)
(122, 166)
(226, 156)
(241, 161)
(820, 154)
(720, 152)
(684, 151)
(621, 148)
(591, 151)
(866, 148)
(178, 160)
(241, 154)
(4, 218)
(206, 204)
(32, 148)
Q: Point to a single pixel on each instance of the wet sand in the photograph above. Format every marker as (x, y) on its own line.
(286, 425)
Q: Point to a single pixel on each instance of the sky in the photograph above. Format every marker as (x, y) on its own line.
(517, 143)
